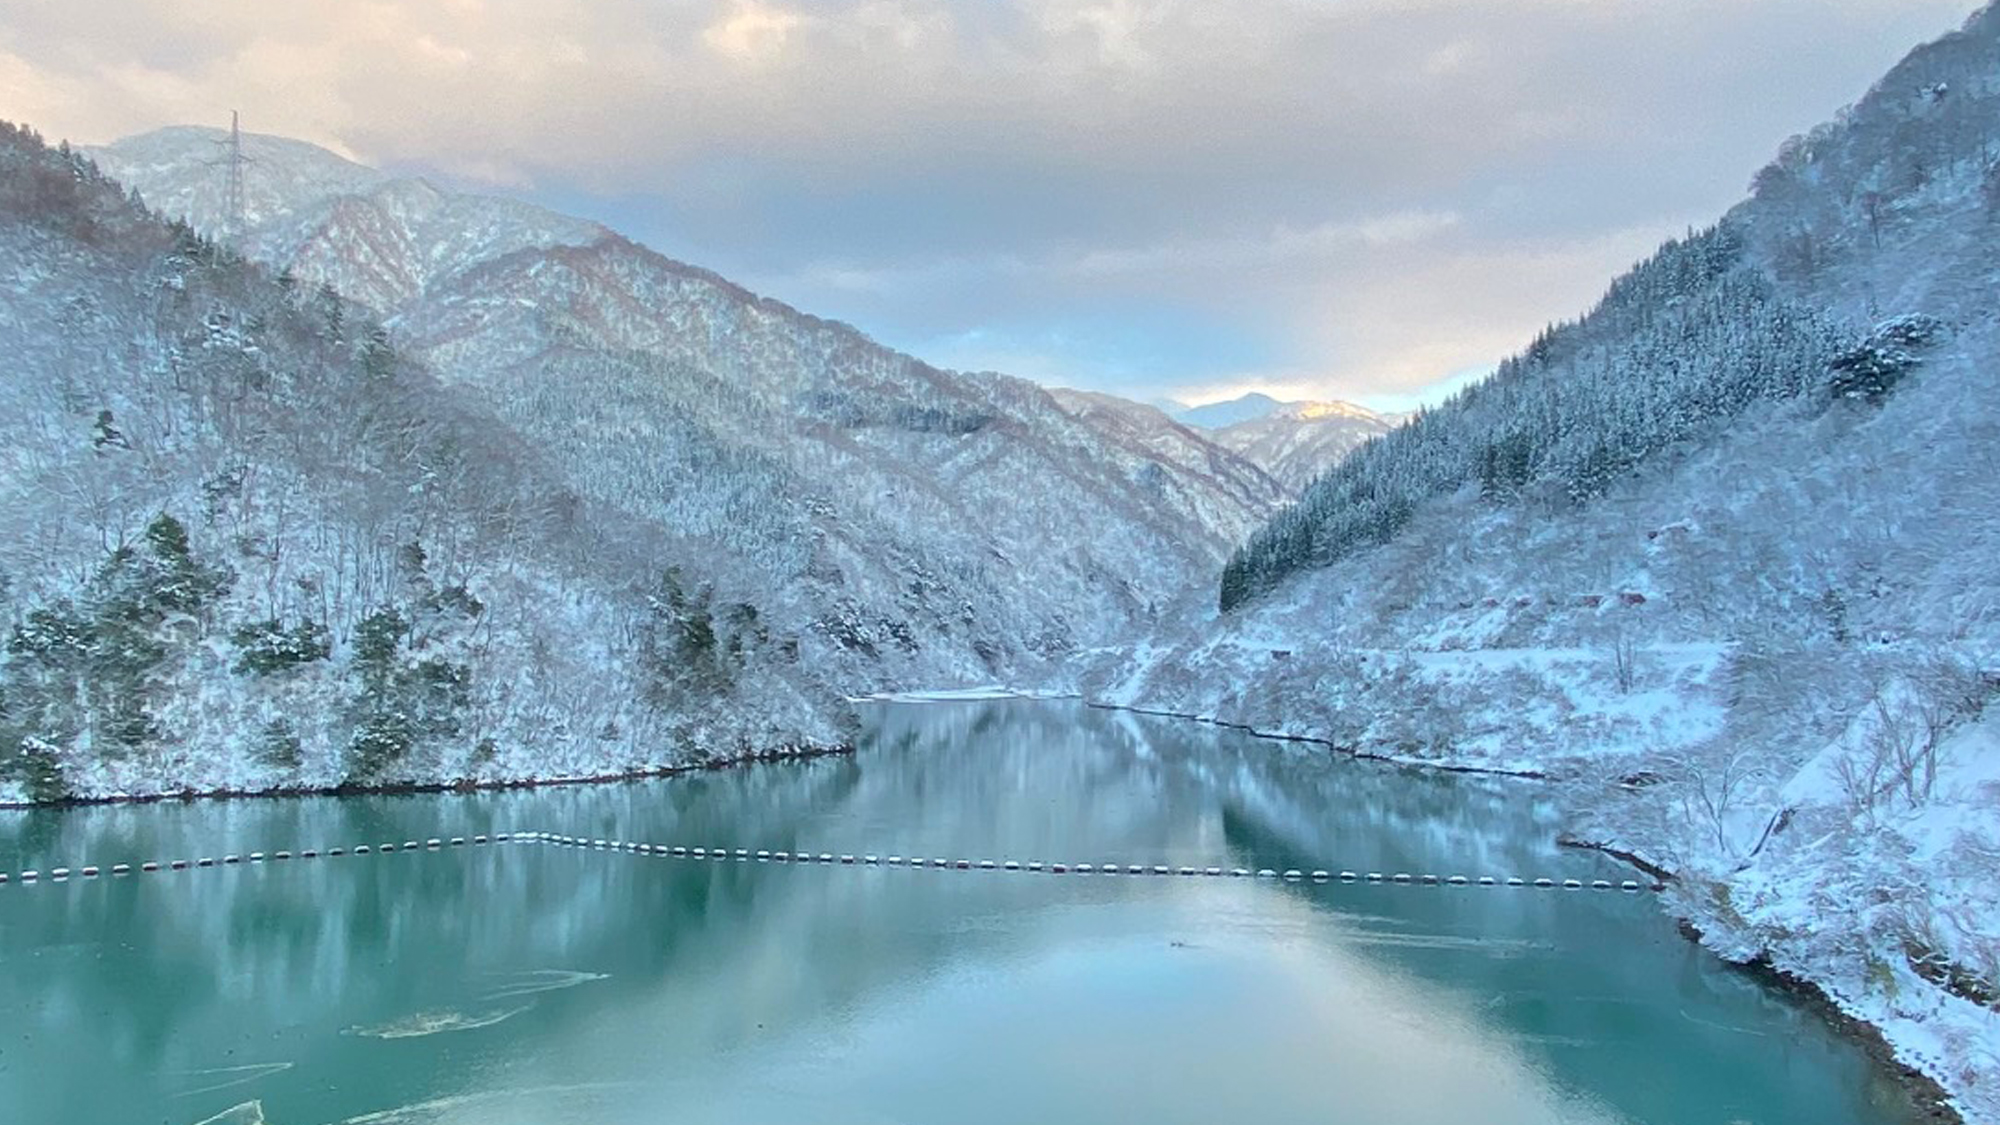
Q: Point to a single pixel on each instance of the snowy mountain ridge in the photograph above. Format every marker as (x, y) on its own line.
(928, 519)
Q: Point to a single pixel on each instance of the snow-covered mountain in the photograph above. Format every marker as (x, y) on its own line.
(938, 526)
(248, 545)
(1297, 441)
(1215, 415)
(1719, 555)
(1293, 441)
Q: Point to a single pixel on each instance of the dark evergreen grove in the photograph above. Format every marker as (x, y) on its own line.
(1683, 343)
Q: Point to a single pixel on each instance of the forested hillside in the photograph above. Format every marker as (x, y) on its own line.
(935, 527)
(1718, 555)
(1803, 290)
(247, 544)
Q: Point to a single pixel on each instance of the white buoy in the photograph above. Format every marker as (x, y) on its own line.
(3, 876)
(987, 865)
(1034, 865)
(1430, 880)
(1348, 876)
(281, 855)
(1628, 885)
(386, 846)
(1266, 873)
(1294, 873)
(149, 866)
(1321, 876)
(1487, 881)
(1239, 872)
(1545, 882)
(1211, 871)
(826, 857)
(501, 837)
(1084, 869)
(1599, 885)
(1401, 877)
(847, 859)
(940, 863)
(1456, 880)
(433, 842)
(30, 876)
(1187, 871)
(256, 857)
(764, 853)
(232, 859)
(59, 873)
(90, 872)
(121, 869)
(479, 839)
(180, 865)
(963, 865)
(1059, 869)
(1374, 876)
(361, 849)
(894, 861)
(871, 859)
(1572, 885)
(1516, 881)
(1010, 865)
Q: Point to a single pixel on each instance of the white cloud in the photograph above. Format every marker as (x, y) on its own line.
(1353, 181)
(751, 32)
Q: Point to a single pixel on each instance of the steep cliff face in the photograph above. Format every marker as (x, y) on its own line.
(939, 526)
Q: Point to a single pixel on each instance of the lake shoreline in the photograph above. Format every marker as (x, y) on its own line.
(1313, 740)
(461, 785)
(1927, 1096)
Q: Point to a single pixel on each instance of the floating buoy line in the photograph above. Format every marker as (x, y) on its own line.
(746, 855)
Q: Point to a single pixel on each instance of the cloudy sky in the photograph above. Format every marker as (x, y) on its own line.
(1363, 199)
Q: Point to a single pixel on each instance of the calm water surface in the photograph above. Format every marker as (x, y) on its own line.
(542, 986)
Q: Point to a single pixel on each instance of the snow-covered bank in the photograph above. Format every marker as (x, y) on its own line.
(1862, 864)
(961, 695)
(464, 785)
(1883, 905)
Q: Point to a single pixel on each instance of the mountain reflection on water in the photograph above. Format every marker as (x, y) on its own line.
(523, 984)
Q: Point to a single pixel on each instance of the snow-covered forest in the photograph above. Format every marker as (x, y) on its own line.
(1718, 556)
(552, 506)
(936, 526)
(248, 545)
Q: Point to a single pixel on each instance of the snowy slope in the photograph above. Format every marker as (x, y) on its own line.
(1719, 556)
(940, 527)
(248, 546)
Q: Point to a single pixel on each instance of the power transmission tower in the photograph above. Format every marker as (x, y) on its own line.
(233, 162)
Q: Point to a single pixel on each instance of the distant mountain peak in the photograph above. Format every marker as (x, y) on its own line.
(1256, 405)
